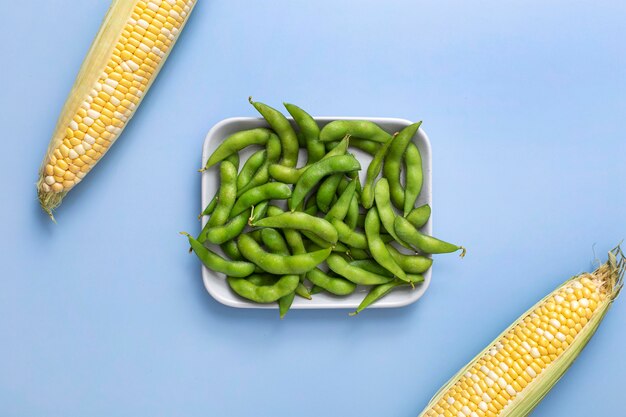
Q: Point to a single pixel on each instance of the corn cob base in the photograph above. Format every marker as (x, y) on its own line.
(134, 41)
(516, 371)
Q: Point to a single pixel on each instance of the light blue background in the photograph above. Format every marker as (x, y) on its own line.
(105, 314)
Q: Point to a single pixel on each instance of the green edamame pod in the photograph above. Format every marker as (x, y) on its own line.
(316, 290)
(208, 210)
(317, 171)
(386, 237)
(343, 184)
(285, 174)
(415, 278)
(380, 291)
(371, 266)
(359, 187)
(262, 279)
(273, 210)
(421, 242)
(310, 245)
(352, 273)
(341, 148)
(337, 148)
(256, 236)
(301, 140)
(322, 243)
(352, 217)
(385, 211)
(274, 149)
(377, 247)
(233, 158)
(280, 124)
(414, 177)
(310, 131)
(279, 264)
(250, 167)
(360, 221)
(226, 195)
(364, 129)
(231, 250)
(258, 212)
(331, 145)
(419, 216)
(236, 142)
(302, 222)
(269, 191)
(295, 242)
(274, 241)
(216, 263)
(262, 176)
(348, 235)
(340, 247)
(263, 293)
(333, 284)
(220, 234)
(367, 195)
(302, 290)
(339, 210)
(411, 264)
(393, 163)
(284, 304)
(311, 205)
(366, 146)
(356, 253)
(327, 191)
(328, 188)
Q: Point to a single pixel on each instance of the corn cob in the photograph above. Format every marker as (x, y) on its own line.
(517, 370)
(124, 59)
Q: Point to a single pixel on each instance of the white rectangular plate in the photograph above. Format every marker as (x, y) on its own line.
(216, 284)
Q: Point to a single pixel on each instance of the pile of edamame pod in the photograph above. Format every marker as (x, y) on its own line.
(289, 231)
